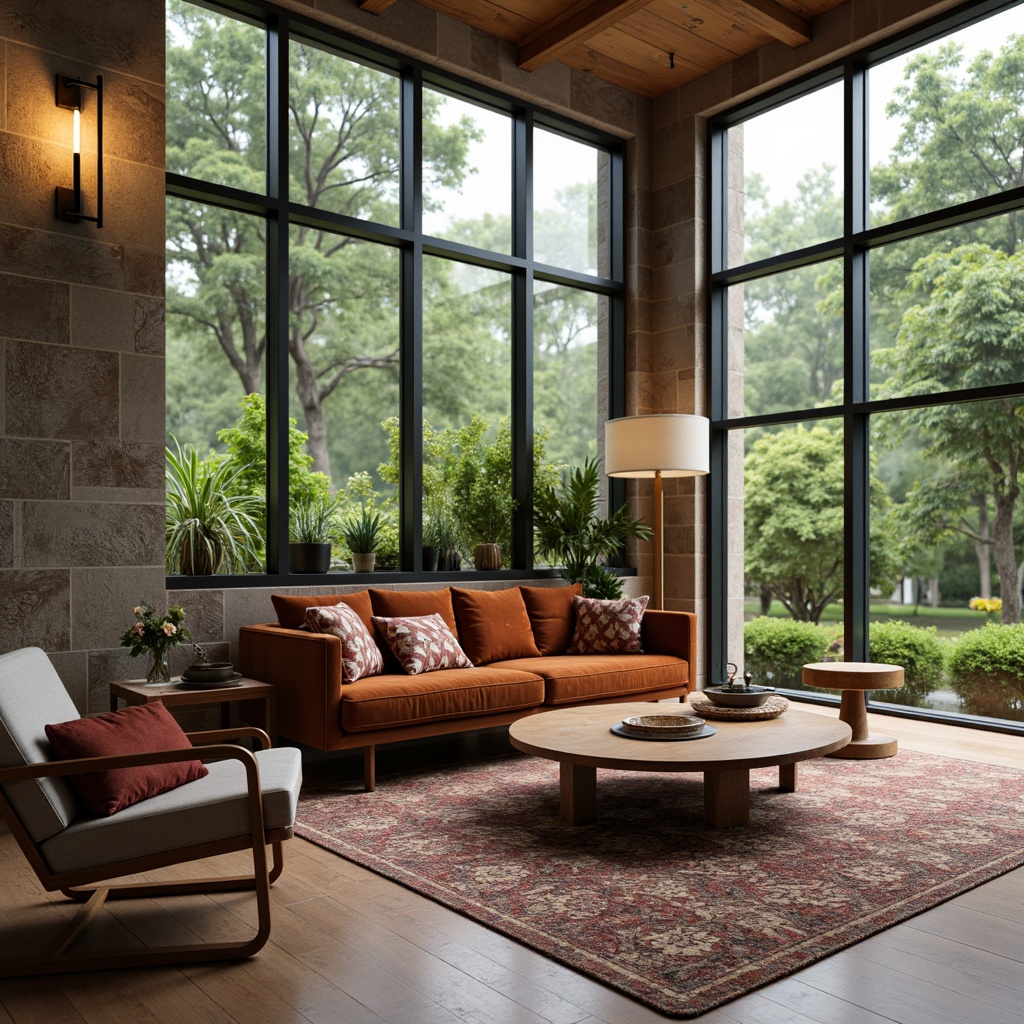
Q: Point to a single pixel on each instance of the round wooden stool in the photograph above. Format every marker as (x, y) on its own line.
(853, 678)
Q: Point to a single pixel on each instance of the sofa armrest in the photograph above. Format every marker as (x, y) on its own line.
(305, 670)
(672, 633)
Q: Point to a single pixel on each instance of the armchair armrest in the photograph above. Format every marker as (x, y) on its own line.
(673, 633)
(305, 669)
(222, 735)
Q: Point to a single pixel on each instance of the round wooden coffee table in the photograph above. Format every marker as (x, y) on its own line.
(854, 678)
(581, 741)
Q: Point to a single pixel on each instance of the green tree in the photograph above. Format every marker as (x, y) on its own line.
(794, 525)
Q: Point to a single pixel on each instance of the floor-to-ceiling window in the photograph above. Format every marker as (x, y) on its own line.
(867, 311)
(390, 294)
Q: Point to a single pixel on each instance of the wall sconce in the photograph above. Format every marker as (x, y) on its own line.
(68, 202)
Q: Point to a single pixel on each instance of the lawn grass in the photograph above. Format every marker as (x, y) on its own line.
(947, 621)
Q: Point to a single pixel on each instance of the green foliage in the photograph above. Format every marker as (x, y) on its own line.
(314, 519)
(571, 533)
(986, 670)
(363, 531)
(917, 650)
(211, 527)
(776, 650)
(794, 523)
(153, 632)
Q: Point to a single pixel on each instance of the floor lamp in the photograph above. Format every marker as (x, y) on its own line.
(660, 445)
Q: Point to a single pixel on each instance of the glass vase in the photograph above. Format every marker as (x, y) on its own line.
(160, 669)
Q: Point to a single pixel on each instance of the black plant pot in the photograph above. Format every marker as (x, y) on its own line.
(310, 557)
(430, 556)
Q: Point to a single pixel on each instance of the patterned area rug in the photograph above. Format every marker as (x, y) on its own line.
(653, 903)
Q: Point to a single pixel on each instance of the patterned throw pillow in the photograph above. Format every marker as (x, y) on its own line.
(360, 655)
(608, 627)
(421, 643)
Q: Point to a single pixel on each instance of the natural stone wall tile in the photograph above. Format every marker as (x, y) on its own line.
(117, 464)
(106, 667)
(55, 391)
(603, 103)
(73, 669)
(133, 207)
(29, 170)
(120, 34)
(34, 310)
(204, 614)
(106, 319)
(142, 399)
(3, 78)
(6, 534)
(102, 601)
(57, 254)
(75, 533)
(36, 609)
(34, 469)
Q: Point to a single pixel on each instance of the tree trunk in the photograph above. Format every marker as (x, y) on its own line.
(933, 592)
(1006, 558)
(766, 599)
(312, 409)
(982, 550)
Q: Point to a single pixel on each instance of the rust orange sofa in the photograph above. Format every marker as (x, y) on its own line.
(516, 639)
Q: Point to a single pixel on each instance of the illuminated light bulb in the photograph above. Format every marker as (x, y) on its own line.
(78, 132)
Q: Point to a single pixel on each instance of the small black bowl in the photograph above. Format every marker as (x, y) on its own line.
(209, 672)
(738, 696)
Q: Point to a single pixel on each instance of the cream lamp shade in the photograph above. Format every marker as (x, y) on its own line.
(659, 445)
(666, 444)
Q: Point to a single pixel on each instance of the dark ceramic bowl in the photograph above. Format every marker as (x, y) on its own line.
(209, 672)
(738, 696)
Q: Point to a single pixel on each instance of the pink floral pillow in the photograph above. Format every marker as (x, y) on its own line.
(608, 627)
(360, 655)
(421, 643)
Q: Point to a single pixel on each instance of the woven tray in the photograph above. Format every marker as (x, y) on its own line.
(771, 708)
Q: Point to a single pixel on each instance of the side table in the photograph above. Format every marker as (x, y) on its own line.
(257, 698)
(854, 678)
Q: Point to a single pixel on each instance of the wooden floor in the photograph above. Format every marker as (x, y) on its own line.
(349, 947)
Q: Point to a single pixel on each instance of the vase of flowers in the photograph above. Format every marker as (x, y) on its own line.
(155, 635)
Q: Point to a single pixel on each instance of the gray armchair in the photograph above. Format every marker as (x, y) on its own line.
(246, 802)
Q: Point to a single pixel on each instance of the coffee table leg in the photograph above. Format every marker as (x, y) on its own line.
(578, 793)
(787, 777)
(727, 798)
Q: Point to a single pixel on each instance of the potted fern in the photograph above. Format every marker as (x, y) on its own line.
(362, 533)
(313, 525)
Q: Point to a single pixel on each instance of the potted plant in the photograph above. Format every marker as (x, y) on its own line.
(432, 536)
(210, 527)
(314, 524)
(362, 533)
(488, 512)
(570, 533)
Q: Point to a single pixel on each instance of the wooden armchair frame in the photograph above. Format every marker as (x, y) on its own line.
(54, 958)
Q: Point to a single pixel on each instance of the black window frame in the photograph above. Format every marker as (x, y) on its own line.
(279, 213)
(855, 244)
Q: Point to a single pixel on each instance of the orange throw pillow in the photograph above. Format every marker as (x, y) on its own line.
(132, 730)
(291, 609)
(493, 625)
(551, 615)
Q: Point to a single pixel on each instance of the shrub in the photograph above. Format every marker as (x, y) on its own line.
(775, 650)
(986, 671)
(917, 650)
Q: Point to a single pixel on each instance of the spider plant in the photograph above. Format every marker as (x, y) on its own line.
(315, 519)
(362, 532)
(209, 528)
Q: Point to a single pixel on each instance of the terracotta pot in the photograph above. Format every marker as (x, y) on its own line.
(487, 556)
(362, 561)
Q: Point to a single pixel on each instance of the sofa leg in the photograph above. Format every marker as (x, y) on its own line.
(369, 769)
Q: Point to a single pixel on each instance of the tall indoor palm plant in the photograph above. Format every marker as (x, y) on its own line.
(210, 527)
(570, 532)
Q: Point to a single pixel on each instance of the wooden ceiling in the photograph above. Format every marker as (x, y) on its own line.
(646, 46)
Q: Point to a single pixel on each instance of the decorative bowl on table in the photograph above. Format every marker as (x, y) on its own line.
(209, 672)
(663, 725)
(737, 696)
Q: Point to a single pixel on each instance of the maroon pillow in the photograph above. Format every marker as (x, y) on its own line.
(608, 627)
(360, 655)
(134, 730)
(422, 643)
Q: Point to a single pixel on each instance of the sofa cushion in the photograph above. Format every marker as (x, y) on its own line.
(360, 655)
(421, 643)
(607, 627)
(132, 730)
(572, 678)
(551, 615)
(291, 608)
(391, 701)
(493, 625)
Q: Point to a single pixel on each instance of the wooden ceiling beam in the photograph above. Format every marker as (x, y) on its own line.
(581, 22)
(770, 16)
(375, 6)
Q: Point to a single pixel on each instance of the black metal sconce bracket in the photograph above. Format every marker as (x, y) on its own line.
(68, 201)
